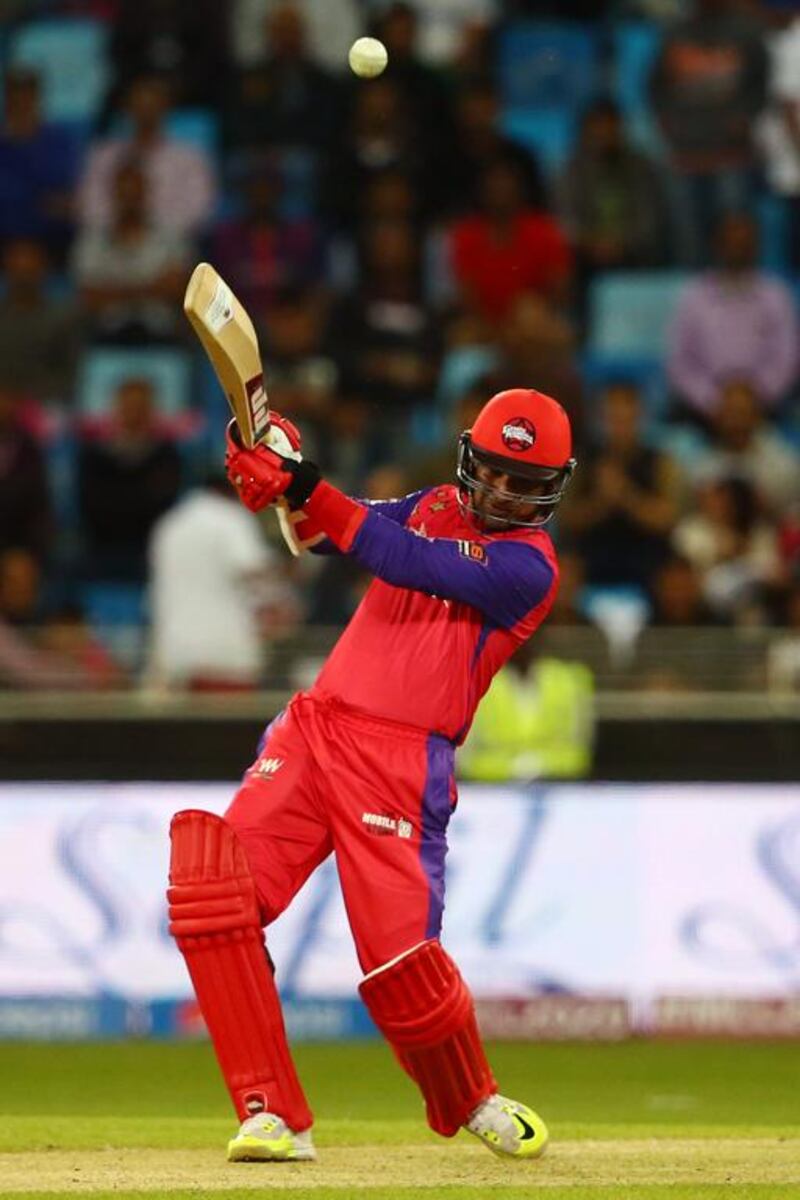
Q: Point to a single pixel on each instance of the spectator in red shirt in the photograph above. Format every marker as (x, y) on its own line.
(507, 248)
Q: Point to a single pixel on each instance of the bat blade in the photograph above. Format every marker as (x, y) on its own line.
(227, 335)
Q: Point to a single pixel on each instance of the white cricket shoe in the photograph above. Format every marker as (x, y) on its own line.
(267, 1138)
(508, 1128)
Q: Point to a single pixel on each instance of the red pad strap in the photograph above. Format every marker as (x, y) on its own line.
(214, 917)
(425, 1011)
(336, 514)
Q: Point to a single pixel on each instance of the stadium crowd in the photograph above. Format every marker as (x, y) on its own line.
(599, 200)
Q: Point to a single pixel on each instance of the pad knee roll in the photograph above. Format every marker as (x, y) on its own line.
(215, 918)
(425, 1011)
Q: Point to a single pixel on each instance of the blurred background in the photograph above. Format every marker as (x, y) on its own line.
(599, 200)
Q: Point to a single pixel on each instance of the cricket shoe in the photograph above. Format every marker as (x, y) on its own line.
(508, 1128)
(267, 1138)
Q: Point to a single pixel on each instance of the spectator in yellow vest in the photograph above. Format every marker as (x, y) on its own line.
(536, 721)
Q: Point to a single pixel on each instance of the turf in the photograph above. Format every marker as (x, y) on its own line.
(643, 1120)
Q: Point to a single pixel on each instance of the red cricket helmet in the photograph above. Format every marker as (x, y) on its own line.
(526, 436)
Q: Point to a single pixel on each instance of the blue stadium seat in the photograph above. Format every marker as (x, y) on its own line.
(630, 313)
(636, 45)
(70, 55)
(113, 604)
(117, 613)
(197, 126)
(548, 65)
(103, 370)
(550, 134)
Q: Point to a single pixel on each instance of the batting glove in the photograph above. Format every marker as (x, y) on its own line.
(260, 476)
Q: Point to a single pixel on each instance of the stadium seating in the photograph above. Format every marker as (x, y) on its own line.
(548, 73)
(630, 313)
(70, 56)
(548, 65)
(635, 46)
(104, 369)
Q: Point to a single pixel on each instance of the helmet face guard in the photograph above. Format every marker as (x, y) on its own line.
(547, 486)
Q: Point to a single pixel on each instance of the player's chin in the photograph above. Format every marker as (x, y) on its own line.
(495, 522)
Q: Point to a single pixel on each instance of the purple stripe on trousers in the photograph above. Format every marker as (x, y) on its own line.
(435, 815)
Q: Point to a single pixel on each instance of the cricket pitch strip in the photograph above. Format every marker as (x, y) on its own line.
(353, 1170)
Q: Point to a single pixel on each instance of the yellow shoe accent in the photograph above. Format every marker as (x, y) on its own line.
(509, 1129)
(267, 1138)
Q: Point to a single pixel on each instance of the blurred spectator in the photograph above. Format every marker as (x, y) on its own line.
(534, 347)
(708, 86)
(37, 167)
(386, 338)
(131, 276)
(302, 374)
(285, 99)
(29, 656)
(443, 25)
(506, 248)
(180, 185)
(732, 547)
(378, 136)
(676, 595)
(39, 336)
(421, 87)
(126, 479)
(478, 143)
(66, 638)
(623, 504)
(779, 127)
(439, 464)
(20, 588)
(566, 608)
(745, 446)
(536, 721)
(332, 26)
(210, 573)
(24, 494)
(188, 42)
(537, 348)
(736, 322)
(612, 198)
(260, 251)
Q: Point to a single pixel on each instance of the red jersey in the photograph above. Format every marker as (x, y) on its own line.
(447, 608)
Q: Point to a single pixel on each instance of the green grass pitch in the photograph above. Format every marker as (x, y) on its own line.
(635, 1121)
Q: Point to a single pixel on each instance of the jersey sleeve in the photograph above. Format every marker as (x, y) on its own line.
(393, 510)
(504, 580)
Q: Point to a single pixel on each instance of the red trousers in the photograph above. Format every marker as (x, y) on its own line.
(377, 794)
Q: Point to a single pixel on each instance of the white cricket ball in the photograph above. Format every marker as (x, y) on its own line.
(367, 57)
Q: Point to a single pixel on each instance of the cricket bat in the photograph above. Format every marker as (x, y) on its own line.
(227, 335)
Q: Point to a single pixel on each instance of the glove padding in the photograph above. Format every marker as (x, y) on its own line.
(260, 476)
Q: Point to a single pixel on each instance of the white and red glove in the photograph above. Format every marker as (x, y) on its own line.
(283, 437)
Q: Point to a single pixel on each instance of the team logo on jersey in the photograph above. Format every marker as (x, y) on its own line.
(268, 766)
(473, 551)
(519, 434)
(385, 825)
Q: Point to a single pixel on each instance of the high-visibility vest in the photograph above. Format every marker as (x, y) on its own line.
(540, 725)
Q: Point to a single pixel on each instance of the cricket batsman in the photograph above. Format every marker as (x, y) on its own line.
(361, 766)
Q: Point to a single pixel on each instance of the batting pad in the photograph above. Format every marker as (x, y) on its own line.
(424, 1009)
(214, 918)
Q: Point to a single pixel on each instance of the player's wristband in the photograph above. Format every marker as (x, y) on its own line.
(336, 514)
(305, 477)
